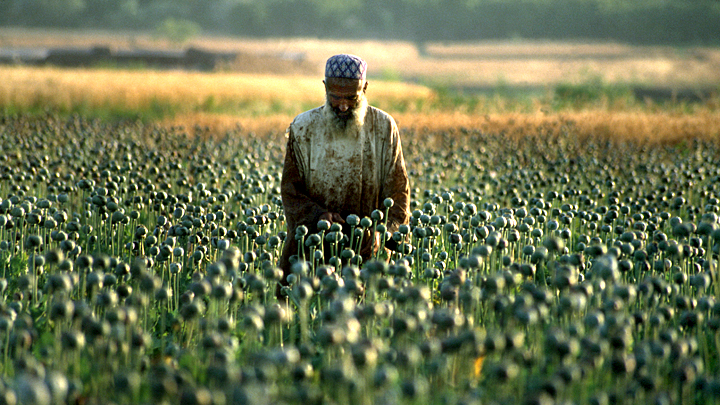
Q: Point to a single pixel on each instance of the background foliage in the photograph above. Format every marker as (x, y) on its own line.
(646, 21)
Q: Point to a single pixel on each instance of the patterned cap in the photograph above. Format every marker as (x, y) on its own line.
(346, 66)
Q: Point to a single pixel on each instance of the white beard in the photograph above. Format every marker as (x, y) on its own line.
(352, 124)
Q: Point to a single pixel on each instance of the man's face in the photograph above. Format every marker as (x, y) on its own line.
(344, 95)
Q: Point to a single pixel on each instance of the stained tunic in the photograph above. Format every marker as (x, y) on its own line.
(348, 175)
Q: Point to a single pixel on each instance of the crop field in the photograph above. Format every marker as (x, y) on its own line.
(138, 266)
(561, 249)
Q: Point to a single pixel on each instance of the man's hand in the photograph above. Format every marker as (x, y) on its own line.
(332, 217)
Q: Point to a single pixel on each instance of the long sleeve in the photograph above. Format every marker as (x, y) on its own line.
(396, 184)
(299, 208)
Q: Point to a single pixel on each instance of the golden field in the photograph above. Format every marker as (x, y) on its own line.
(186, 92)
(265, 104)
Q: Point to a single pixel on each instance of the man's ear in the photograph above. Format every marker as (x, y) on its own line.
(365, 86)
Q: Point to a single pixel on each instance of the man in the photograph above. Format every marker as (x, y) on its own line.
(342, 158)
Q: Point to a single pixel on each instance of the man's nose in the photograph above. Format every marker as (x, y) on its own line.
(344, 106)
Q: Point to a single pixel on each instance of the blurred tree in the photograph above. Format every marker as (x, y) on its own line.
(178, 31)
(638, 21)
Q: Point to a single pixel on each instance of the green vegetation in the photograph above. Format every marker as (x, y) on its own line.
(690, 22)
(178, 31)
(155, 111)
(593, 92)
(138, 265)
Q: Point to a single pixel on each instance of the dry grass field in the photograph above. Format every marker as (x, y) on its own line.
(660, 127)
(274, 79)
(137, 90)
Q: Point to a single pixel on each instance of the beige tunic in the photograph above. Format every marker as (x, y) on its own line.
(347, 175)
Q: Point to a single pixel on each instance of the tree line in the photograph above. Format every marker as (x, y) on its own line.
(680, 22)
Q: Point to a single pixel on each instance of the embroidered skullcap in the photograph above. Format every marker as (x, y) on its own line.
(346, 66)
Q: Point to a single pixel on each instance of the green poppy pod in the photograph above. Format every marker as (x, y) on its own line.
(72, 340)
(365, 222)
(117, 217)
(58, 236)
(61, 310)
(377, 215)
(540, 254)
(313, 240)
(65, 265)
(301, 230)
(483, 251)
(528, 250)
(501, 222)
(253, 233)
(112, 204)
(193, 310)
(164, 250)
(60, 217)
(249, 257)
(554, 244)
(333, 237)
(273, 241)
(707, 228)
(149, 283)
(323, 225)
(54, 256)
(17, 212)
(303, 290)
(352, 220)
(347, 254)
(493, 239)
(475, 261)
(261, 240)
(140, 232)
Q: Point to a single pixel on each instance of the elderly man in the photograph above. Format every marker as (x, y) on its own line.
(342, 158)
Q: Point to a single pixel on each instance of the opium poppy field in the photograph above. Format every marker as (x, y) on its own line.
(562, 249)
(139, 266)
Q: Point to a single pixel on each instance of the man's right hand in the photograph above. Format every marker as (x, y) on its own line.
(332, 217)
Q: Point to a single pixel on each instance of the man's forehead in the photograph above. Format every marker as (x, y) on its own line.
(342, 85)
